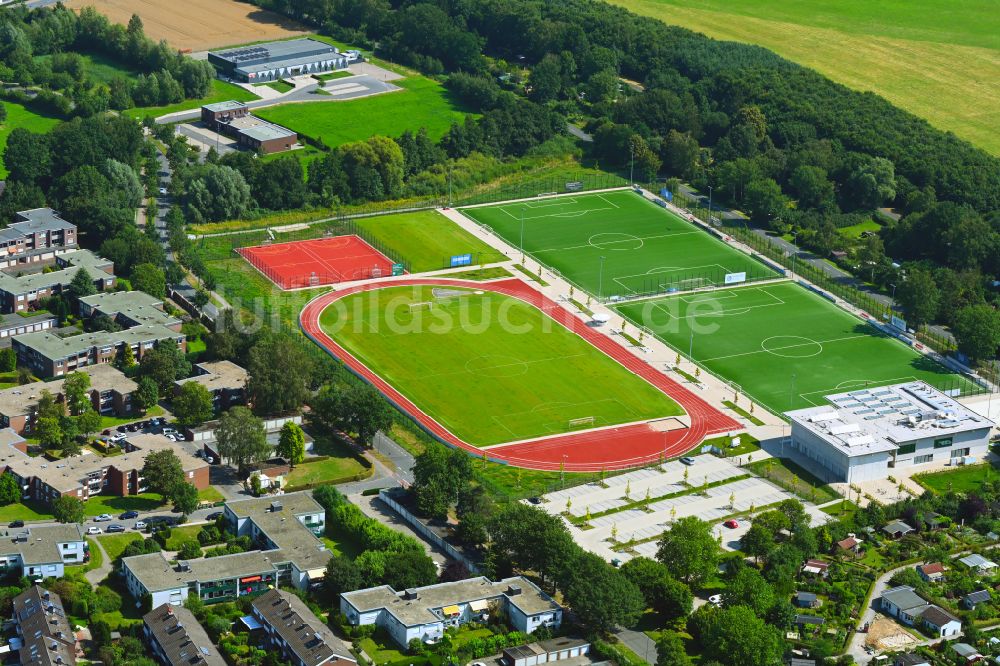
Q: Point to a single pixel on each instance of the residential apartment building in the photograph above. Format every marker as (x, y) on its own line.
(42, 551)
(22, 293)
(224, 380)
(45, 630)
(284, 529)
(296, 633)
(87, 475)
(14, 324)
(177, 639)
(129, 309)
(425, 613)
(864, 435)
(49, 355)
(111, 394)
(35, 235)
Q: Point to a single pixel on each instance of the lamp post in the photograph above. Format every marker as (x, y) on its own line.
(710, 205)
(600, 279)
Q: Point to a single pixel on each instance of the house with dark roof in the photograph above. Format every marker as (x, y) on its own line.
(850, 545)
(177, 639)
(973, 599)
(816, 567)
(940, 621)
(897, 529)
(293, 630)
(46, 635)
(806, 600)
(967, 652)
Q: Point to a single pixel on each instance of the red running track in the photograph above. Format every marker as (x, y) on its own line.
(588, 451)
(321, 261)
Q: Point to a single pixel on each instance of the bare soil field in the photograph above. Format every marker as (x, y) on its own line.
(197, 25)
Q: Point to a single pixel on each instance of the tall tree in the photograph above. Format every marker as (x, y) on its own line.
(76, 389)
(292, 443)
(689, 550)
(192, 404)
(918, 295)
(977, 331)
(241, 437)
(602, 598)
(278, 387)
(68, 509)
(163, 472)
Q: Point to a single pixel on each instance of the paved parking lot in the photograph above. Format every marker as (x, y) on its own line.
(357, 86)
(645, 524)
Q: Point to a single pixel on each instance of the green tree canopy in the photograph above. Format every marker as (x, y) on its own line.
(689, 551)
(292, 443)
(67, 509)
(192, 404)
(241, 437)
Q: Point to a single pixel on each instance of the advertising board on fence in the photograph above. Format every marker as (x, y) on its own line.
(461, 260)
(898, 323)
(736, 278)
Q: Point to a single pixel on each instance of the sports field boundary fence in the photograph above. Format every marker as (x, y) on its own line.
(740, 230)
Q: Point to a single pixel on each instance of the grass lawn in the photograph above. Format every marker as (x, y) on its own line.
(785, 346)
(786, 474)
(855, 230)
(342, 74)
(96, 559)
(178, 535)
(99, 504)
(525, 385)
(427, 240)
(421, 103)
(210, 494)
(844, 509)
(340, 544)
(960, 479)
(617, 243)
(115, 421)
(281, 86)
(932, 60)
(488, 273)
(20, 116)
(221, 91)
(115, 544)
(27, 510)
(334, 469)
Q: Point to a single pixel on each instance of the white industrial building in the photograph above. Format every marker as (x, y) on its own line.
(864, 435)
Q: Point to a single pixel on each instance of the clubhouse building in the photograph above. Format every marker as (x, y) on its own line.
(864, 435)
(234, 119)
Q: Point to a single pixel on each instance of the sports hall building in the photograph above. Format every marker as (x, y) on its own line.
(272, 61)
(864, 435)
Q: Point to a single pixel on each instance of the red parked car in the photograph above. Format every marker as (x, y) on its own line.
(731, 524)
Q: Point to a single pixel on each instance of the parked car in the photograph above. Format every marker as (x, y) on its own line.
(103, 518)
(163, 191)
(129, 515)
(94, 530)
(122, 428)
(115, 528)
(213, 516)
(17, 523)
(731, 524)
(139, 525)
(687, 460)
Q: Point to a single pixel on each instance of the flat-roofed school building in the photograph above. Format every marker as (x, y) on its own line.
(271, 61)
(234, 119)
(864, 435)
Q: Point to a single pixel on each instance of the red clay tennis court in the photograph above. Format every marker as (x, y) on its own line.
(313, 263)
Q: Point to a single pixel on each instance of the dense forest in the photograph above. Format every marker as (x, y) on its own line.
(794, 150)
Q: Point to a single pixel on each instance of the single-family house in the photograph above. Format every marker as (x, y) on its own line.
(851, 545)
(973, 599)
(940, 621)
(904, 604)
(816, 568)
(803, 621)
(897, 529)
(806, 600)
(932, 520)
(967, 652)
(978, 563)
(932, 572)
(910, 659)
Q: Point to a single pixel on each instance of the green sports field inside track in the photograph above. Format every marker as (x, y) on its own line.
(784, 345)
(488, 367)
(646, 249)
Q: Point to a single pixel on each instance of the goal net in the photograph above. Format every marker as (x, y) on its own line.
(313, 280)
(581, 422)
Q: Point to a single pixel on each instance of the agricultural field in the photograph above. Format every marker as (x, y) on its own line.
(421, 103)
(426, 239)
(784, 346)
(488, 367)
(203, 24)
(20, 116)
(938, 61)
(617, 243)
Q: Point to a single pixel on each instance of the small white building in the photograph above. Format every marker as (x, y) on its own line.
(425, 613)
(42, 551)
(864, 435)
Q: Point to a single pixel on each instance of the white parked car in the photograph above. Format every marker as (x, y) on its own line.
(103, 518)
(163, 191)
(140, 525)
(94, 530)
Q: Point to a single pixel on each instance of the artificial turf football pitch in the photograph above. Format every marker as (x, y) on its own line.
(617, 243)
(783, 345)
(489, 367)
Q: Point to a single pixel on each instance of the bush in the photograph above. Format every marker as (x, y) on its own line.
(189, 550)
(106, 600)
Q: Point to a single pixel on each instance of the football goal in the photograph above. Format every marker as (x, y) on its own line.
(581, 422)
